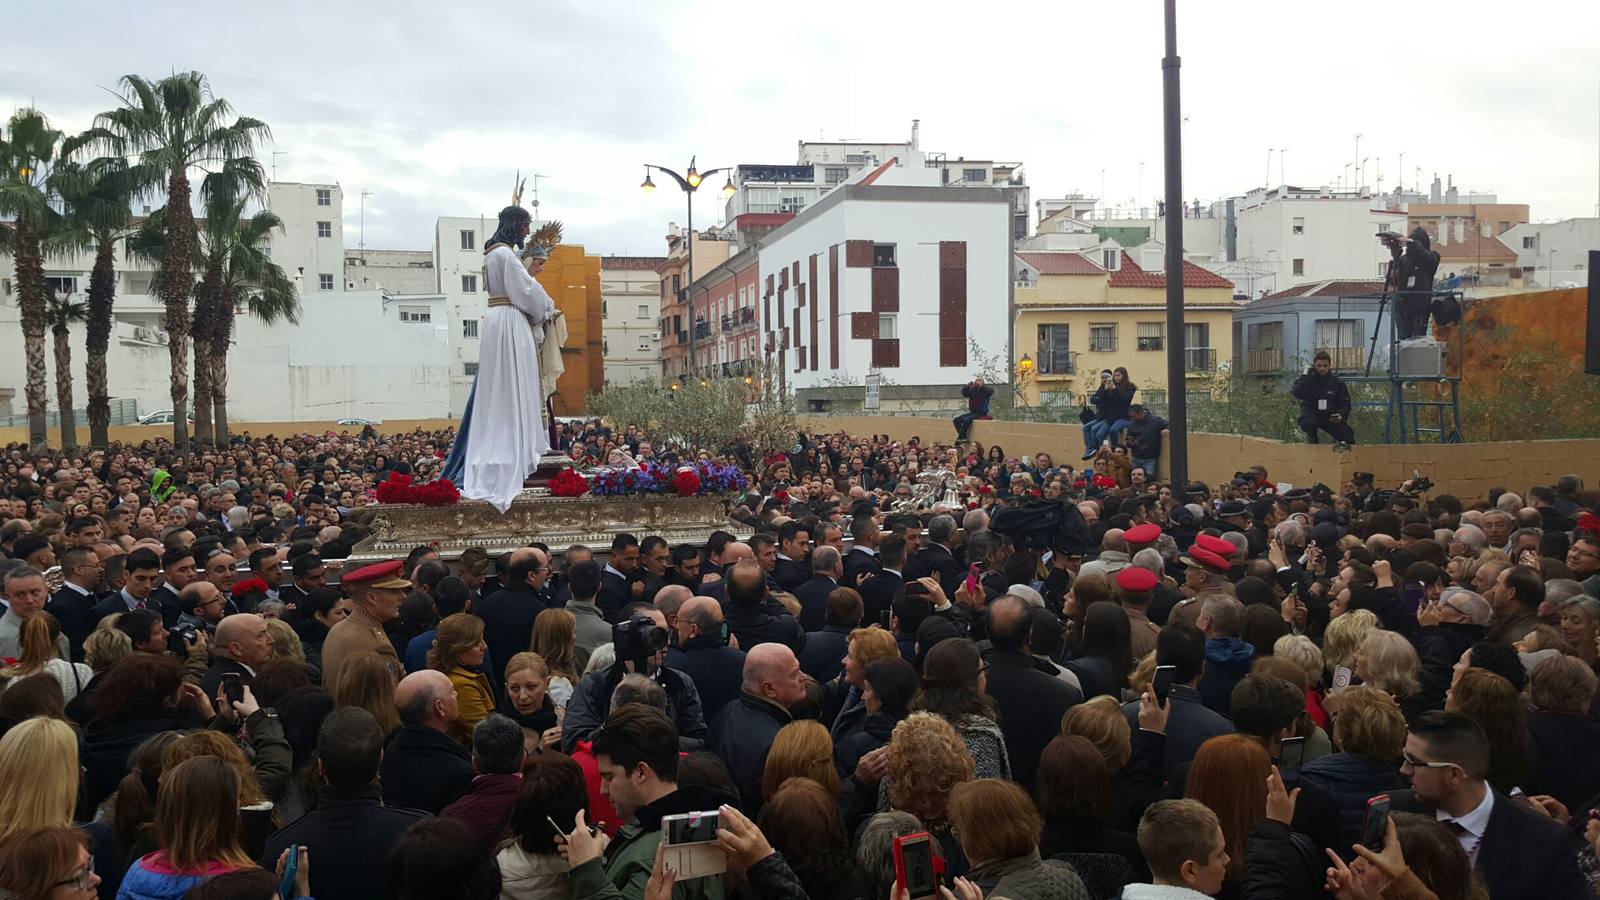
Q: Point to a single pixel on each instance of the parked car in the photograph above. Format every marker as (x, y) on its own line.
(359, 423)
(160, 417)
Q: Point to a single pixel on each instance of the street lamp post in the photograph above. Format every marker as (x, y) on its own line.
(1177, 399)
(690, 182)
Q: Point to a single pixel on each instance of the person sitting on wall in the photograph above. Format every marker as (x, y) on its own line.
(1324, 401)
(977, 394)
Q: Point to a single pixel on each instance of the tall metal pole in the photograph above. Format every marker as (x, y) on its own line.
(688, 285)
(1177, 402)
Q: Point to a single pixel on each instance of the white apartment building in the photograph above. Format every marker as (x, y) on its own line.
(893, 274)
(458, 273)
(1287, 235)
(630, 312)
(1552, 254)
(311, 245)
(390, 271)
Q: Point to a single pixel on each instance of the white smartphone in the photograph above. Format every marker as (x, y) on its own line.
(688, 837)
(1341, 678)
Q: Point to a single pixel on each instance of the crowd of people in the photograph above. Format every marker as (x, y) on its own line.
(1076, 684)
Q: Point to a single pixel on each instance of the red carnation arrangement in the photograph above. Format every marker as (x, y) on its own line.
(568, 483)
(686, 483)
(399, 488)
(250, 586)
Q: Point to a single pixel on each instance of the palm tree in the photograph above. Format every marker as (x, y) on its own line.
(27, 150)
(61, 312)
(175, 125)
(98, 195)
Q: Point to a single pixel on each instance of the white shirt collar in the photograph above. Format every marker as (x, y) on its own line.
(1473, 824)
(871, 551)
(81, 590)
(781, 556)
(894, 572)
(613, 570)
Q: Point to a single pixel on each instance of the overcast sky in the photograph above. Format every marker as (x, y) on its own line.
(432, 106)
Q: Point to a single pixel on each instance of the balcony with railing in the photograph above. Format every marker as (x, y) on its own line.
(1199, 359)
(1261, 362)
(702, 330)
(1346, 359)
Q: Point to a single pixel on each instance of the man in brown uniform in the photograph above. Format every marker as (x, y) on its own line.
(376, 591)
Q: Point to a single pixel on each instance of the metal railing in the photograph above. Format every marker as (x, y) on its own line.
(1199, 359)
(1346, 359)
(1260, 361)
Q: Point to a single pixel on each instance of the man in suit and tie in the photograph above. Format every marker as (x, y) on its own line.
(878, 592)
(865, 536)
(826, 570)
(621, 582)
(243, 645)
(938, 559)
(143, 571)
(1519, 852)
(179, 570)
(791, 570)
(73, 605)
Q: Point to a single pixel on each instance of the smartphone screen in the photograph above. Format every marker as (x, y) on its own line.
(232, 687)
(915, 858)
(1162, 683)
(1413, 592)
(695, 828)
(1376, 825)
(1292, 752)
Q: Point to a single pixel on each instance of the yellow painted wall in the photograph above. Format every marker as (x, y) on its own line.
(1147, 368)
(18, 434)
(572, 278)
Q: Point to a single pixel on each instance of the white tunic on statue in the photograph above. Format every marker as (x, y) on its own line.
(508, 432)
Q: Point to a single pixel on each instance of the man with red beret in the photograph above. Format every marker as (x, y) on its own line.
(1207, 565)
(376, 591)
(1141, 536)
(1135, 588)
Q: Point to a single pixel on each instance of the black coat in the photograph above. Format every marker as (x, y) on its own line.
(1112, 403)
(715, 668)
(425, 769)
(1329, 390)
(940, 563)
(591, 703)
(1189, 725)
(165, 599)
(75, 612)
(616, 591)
(742, 734)
(1144, 438)
(105, 749)
(1281, 863)
(1439, 648)
(754, 625)
(1564, 749)
(813, 597)
(1031, 706)
(508, 616)
(349, 825)
(856, 562)
(1094, 676)
(791, 573)
(1526, 855)
(877, 595)
(1352, 779)
(212, 679)
(823, 656)
(874, 732)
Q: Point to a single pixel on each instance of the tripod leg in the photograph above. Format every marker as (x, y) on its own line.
(1377, 323)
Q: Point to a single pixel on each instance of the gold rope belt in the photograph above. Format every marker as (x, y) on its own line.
(499, 301)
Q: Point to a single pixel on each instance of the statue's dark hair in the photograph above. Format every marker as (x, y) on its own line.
(512, 218)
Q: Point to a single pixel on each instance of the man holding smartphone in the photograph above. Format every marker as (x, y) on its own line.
(241, 647)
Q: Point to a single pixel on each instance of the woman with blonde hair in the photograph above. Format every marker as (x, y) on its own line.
(256, 819)
(366, 681)
(528, 701)
(40, 642)
(197, 823)
(1342, 638)
(926, 760)
(458, 650)
(555, 639)
(38, 776)
(802, 749)
(1387, 661)
(1369, 735)
(285, 642)
(1304, 653)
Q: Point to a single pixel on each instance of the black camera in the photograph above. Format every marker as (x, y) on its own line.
(638, 639)
(186, 632)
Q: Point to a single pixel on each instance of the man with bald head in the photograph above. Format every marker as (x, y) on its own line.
(241, 647)
(1031, 702)
(714, 583)
(423, 766)
(1113, 556)
(704, 655)
(508, 613)
(744, 730)
(669, 600)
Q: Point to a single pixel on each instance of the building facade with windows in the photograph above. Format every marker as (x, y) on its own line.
(1287, 235)
(311, 245)
(1280, 333)
(1080, 312)
(729, 293)
(1551, 254)
(390, 271)
(678, 322)
(894, 275)
(630, 317)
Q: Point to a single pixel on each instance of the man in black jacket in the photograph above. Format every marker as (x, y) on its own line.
(508, 613)
(621, 582)
(977, 394)
(591, 697)
(242, 646)
(826, 569)
(704, 655)
(1520, 853)
(791, 569)
(1190, 723)
(749, 619)
(1324, 401)
(1446, 629)
(1031, 702)
(823, 656)
(179, 569)
(862, 560)
(878, 592)
(73, 605)
(351, 827)
(938, 558)
(745, 729)
(1143, 438)
(423, 766)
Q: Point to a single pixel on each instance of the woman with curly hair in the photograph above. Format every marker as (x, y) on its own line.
(458, 650)
(1344, 636)
(1387, 661)
(926, 759)
(142, 696)
(953, 684)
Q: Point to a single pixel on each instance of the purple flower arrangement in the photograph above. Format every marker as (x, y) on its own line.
(656, 478)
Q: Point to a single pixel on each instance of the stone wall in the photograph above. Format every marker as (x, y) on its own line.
(1467, 470)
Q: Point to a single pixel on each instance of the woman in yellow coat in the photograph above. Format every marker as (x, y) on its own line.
(458, 650)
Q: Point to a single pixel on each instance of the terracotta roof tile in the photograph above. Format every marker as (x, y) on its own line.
(1061, 263)
(1475, 246)
(1337, 287)
(1131, 276)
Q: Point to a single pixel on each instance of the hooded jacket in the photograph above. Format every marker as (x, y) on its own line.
(632, 853)
(1227, 663)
